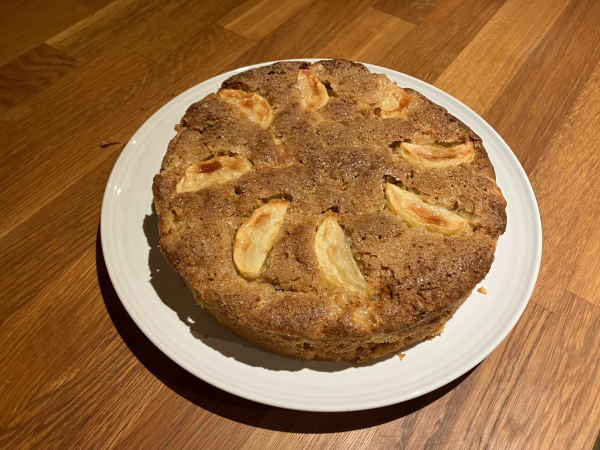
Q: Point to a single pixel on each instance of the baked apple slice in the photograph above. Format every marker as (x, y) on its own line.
(313, 93)
(394, 100)
(416, 213)
(252, 106)
(433, 156)
(217, 170)
(335, 257)
(256, 236)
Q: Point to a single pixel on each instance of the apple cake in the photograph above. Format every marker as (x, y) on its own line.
(322, 212)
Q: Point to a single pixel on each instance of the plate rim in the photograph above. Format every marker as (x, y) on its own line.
(442, 381)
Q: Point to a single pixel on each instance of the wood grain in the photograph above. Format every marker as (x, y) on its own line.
(64, 367)
(584, 281)
(567, 158)
(32, 72)
(490, 61)
(28, 23)
(305, 33)
(76, 371)
(544, 89)
(427, 50)
(171, 27)
(46, 237)
(445, 425)
(77, 118)
(256, 19)
(96, 4)
(361, 37)
(409, 10)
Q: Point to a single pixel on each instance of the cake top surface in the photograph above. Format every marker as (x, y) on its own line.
(324, 200)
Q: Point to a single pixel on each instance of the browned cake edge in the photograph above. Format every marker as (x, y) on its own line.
(359, 349)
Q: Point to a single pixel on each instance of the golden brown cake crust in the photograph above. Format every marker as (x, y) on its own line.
(335, 161)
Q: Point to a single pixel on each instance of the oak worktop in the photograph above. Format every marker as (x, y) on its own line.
(79, 77)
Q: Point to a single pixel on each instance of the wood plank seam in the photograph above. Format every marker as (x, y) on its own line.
(97, 16)
(538, 386)
(232, 31)
(582, 298)
(139, 54)
(480, 87)
(531, 300)
(546, 67)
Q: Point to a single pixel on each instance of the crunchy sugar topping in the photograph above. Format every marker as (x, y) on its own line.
(324, 212)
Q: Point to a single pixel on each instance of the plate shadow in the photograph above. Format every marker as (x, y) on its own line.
(228, 405)
(236, 408)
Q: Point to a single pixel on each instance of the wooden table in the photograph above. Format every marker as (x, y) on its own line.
(77, 78)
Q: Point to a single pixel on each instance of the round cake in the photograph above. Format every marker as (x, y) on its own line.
(321, 211)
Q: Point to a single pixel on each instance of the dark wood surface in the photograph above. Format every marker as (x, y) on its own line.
(78, 77)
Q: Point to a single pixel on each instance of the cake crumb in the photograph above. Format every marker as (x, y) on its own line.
(482, 290)
(109, 142)
(401, 356)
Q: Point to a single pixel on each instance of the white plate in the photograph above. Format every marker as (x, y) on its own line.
(165, 311)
